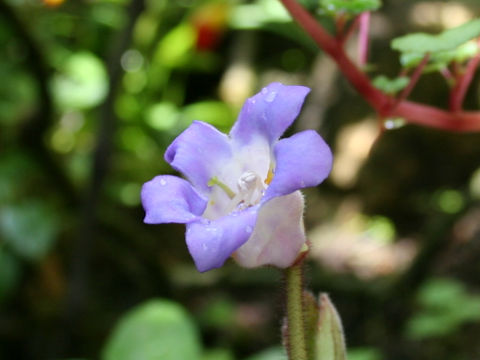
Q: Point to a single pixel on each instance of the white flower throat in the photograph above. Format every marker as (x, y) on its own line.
(250, 190)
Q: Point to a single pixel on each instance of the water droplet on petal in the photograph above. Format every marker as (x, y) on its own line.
(271, 96)
(163, 182)
(248, 229)
(264, 91)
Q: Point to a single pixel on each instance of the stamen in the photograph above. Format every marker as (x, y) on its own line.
(270, 174)
(269, 178)
(214, 181)
(250, 189)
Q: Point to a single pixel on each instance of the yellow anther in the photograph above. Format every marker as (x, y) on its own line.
(269, 178)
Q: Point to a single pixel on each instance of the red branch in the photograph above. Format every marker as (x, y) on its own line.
(413, 112)
(460, 89)
(413, 81)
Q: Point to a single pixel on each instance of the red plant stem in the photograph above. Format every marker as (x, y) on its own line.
(328, 43)
(447, 74)
(460, 89)
(413, 112)
(413, 80)
(363, 37)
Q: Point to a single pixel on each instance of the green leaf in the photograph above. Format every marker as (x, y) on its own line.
(445, 306)
(330, 343)
(29, 228)
(257, 14)
(158, 329)
(175, 48)
(162, 116)
(271, 16)
(216, 113)
(441, 59)
(390, 86)
(447, 40)
(353, 7)
(82, 82)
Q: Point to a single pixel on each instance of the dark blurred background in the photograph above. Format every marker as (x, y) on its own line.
(93, 91)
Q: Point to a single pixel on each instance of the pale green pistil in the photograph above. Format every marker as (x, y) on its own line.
(214, 181)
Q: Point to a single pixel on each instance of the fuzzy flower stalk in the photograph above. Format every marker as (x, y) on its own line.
(241, 194)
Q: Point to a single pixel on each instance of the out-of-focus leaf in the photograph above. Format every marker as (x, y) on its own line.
(446, 305)
(109, 14)
(9, 272)
(447, 40)
(158, 329)
(353, 7)
(219, 313)
(271, 16)
(29, 228)
(214, 112)
(82, 82)
(175, 47)
(257, 14)
(162, 116)
(390, 86)
(276, 353)
(441, 59)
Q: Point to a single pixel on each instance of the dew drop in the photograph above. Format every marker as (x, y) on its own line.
(163, 182)
(264, 91)
(271, 96)
(248, 229)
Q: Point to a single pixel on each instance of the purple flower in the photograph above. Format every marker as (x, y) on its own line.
(241, 195)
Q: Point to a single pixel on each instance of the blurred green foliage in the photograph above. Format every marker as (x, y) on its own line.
(352, 7)
(94, 91)
(445, 305)
(445, 41)
(158, 329)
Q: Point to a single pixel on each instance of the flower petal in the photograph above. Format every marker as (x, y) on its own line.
(199, 152)
(169, 199)
(302, 160)
(278, 235)
(212, 242)
(269, 113)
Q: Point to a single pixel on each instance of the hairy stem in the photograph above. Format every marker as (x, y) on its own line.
(296, 345)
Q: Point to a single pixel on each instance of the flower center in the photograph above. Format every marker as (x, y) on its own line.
(249, 192)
